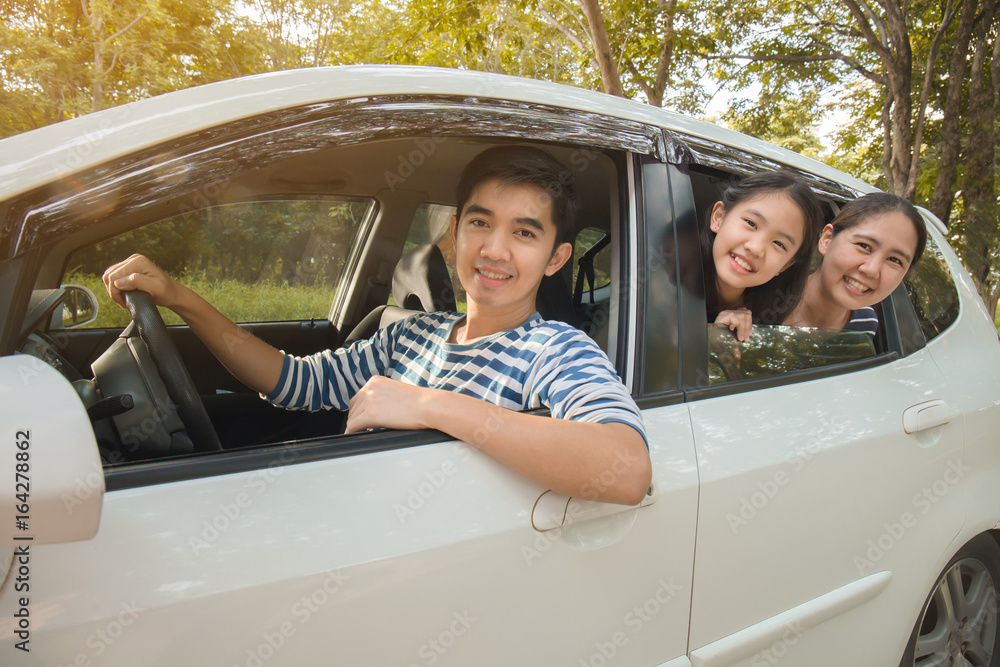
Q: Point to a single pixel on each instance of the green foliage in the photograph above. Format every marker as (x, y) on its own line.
(782, 121)
(63, 58)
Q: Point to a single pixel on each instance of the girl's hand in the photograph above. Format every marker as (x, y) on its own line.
(740, 321)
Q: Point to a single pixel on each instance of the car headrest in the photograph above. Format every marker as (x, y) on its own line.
(421, 281)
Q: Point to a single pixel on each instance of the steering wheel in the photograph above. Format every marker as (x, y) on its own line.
(172, 370)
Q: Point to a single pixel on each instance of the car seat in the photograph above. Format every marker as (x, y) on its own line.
(420, 284)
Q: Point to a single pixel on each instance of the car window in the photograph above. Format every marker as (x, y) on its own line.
(259, 261)
(932, 292)
(780, 349)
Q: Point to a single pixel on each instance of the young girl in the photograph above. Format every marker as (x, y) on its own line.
(756, 250)
(867, 251)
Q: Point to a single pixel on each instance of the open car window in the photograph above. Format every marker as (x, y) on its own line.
(257, 261)
(779, 349)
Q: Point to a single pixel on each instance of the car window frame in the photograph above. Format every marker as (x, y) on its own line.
(693, 343)
(48, 222)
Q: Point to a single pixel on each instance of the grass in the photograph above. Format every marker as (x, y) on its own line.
(261, 302)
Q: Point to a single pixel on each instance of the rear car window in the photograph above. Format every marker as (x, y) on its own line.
(932, 292)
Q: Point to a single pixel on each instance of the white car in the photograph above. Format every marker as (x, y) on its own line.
(817, 499)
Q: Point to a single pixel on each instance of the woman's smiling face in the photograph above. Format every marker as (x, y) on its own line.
(755, 240)
(863, 264)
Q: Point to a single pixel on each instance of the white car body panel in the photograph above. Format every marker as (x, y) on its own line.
(770, 640)
(806, 470)
(443, 524)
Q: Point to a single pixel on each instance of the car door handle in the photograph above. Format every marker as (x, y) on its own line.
(553, 510)
(927, 415)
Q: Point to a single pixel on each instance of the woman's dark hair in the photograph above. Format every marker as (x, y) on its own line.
(879, 203)
(771, 302)
(524, 164)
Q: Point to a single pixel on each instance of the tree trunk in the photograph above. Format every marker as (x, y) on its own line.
(898, 65)
(951, 142)
(979, 188)
(97, 76)
(602, 48)
(666, 53)
(887, 140)
(925, 91)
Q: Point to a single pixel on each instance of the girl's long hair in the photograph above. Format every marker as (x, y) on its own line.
(771, 302)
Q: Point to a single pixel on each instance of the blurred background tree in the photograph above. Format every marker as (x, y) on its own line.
(903, 95)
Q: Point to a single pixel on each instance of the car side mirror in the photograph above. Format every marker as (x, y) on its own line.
(79, 307)
(51, 479)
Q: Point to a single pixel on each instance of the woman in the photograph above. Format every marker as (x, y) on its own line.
(867, 251)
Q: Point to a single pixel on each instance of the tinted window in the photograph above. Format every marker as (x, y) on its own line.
(779, 349)
(255, 261)
(932, 292)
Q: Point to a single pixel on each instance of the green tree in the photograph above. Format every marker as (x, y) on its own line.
(63, 58)
(644, 49)
(920, 80)
(782, 121)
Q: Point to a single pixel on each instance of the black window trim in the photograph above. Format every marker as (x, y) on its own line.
(790, 377)
(250, 459)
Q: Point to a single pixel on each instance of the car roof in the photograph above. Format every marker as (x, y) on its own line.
(38, 157)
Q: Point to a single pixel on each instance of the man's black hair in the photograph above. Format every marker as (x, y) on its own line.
(525, 164)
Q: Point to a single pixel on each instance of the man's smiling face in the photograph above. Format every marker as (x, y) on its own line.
(504, 247)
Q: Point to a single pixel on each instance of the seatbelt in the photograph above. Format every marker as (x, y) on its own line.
(586, 264)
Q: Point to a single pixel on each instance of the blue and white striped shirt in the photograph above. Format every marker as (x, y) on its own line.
(537, 364)
(864, 320)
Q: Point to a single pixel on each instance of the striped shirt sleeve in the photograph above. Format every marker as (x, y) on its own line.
(864, 320)
(575, 380)
(330, 379)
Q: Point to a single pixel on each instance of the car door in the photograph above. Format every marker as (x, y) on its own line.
(824, 495)
(384, 547)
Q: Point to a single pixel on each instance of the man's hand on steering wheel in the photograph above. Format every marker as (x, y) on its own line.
(252, 361)
(139, 272)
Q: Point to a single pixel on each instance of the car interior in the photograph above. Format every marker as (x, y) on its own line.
(385, 276)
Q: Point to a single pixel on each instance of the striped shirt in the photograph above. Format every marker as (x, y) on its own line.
(864, 320)
(538, 364)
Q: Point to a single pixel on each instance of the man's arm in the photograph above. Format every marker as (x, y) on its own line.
(252, 361)
(596, 461)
